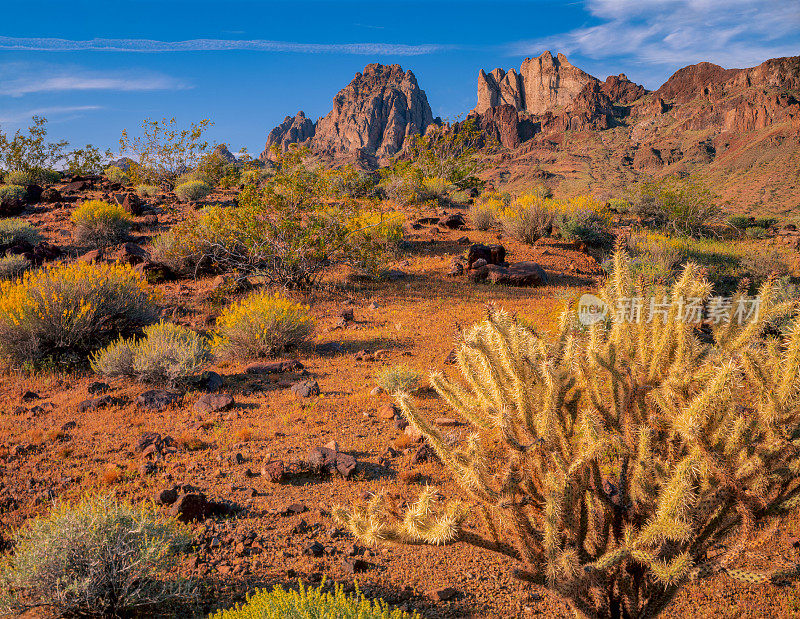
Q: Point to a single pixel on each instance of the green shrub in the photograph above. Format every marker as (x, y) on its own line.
(756, 232)
(306, 603)
(347, 182)
(12, 192)
(18, 177)
(656, 256)
(99, 223)
(683, 206)
(398, 378)
(13, 265)
(71, 310)
(435, 188)
(281, 231)
(167, 353)
(402, 183)
(760, 263)
(99, 557)
(14, 230)
(528, 219)
(193, 190)
(117, 175)
(147, 191)
(261, 325)
(740, 221)
(30, 153)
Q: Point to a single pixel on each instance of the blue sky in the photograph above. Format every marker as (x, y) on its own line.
(94, 68)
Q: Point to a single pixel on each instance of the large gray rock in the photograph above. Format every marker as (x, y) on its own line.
(375, 113)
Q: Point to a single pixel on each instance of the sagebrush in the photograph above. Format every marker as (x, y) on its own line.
(98, 557)
(166, 353)
(99, 223)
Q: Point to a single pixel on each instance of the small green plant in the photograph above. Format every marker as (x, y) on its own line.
(147, 191)
(117, 175)
(173, 251)
(261, 325)
(14, 230)
(756, 232)
(13, 265)
(98, 557)
(740, 221)
(12, 192)
(71, 310)
(398, 379)
(167, 353)
(307, 602)
(99, 223)
(193, 190)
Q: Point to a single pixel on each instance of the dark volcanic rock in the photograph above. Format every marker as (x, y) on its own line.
(323, 460)
(157, 399)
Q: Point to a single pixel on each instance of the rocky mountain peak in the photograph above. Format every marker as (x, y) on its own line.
(376, 112)
(543, 84)
(295, 129)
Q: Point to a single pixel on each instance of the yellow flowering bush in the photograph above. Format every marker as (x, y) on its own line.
(307, 602)
(261, 325)
(71, 310)
(99, 223)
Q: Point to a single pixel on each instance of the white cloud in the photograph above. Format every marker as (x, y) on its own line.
(674, 33)
(213, 45)
(18, 79)
(23, 116)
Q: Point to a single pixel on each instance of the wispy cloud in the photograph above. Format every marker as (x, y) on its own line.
(215, 45)
(22, 116)
(18, 79)
(674, 33)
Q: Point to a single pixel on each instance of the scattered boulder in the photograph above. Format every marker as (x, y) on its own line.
(305, 388)
(209, 381)
(325, 461)
(213, 403)
(453, 222)
(33, 194)
(442, 595)
(51, 194)
(158, 399)
(129, 253)
(167, 496)
(274, 471)
(93, 404)
(492, 254)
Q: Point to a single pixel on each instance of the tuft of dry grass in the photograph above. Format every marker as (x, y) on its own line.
(190, 442)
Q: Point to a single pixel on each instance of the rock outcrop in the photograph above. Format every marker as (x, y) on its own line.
(375, 113)
(295, 129)
(543, 84)
(620, 89)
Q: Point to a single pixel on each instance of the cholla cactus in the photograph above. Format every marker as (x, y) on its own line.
(617, 462)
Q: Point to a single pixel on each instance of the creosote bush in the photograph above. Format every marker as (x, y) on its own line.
(99, 223)
(167, 353)
(483, 215)
(615, 462)
(12, 192)
(307, 602)
(193, 190)
(18, 177)
(71, 310)
(398, 378)
(14, 231)
(98, 557)
(261, 325)
(117, 175)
